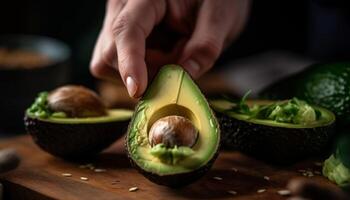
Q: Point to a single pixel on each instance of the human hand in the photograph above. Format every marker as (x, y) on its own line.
(203, 28)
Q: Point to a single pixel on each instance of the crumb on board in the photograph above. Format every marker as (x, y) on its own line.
(133, 189)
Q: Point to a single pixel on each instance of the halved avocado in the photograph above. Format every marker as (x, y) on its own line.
(324, 84)
(73, 137)
(269, 140)
(173, 93)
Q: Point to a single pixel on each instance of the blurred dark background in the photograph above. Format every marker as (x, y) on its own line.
(302, 26)
(74, 22)
(298, 26)
(314, 29)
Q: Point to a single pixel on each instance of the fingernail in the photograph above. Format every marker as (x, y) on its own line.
(192, 67)
(131, 86)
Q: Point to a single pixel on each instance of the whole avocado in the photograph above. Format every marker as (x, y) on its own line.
(325, 85)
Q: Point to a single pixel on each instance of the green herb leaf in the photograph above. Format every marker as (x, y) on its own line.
(240, 105)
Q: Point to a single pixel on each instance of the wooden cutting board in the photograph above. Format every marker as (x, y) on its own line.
(39, 176)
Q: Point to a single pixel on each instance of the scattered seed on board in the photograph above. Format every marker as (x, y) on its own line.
(308, 174)
(115, 182)
(66, 174)
(84, 178)
(261, 190)
(217, 178)
(232, 192)
(267, 178)
(284, 192)
(133, 189)
(234, 169)
(100, 170)
(319, 164)
(317, 172)
(89, 165)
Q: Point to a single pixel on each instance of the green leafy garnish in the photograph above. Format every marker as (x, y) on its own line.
(293, 111)
(171, 155)
(336, 171)
(41, 109)
(241, 106)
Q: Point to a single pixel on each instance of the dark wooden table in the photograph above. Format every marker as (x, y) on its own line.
(39, 176)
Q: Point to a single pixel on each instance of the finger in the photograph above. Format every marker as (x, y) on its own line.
(130, 30)
(156, 58)
(104, 59)
(181, 15)
(213, 25)
(314, 190)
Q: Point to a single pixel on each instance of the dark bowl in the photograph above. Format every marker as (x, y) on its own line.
(19, 86)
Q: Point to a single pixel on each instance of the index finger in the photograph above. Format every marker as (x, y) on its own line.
(130, 30)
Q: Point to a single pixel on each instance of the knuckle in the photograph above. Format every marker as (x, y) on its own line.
(106, 58)
(99, 69)
(124, 23)
(210, 47)
(120, 24)
(95, 70)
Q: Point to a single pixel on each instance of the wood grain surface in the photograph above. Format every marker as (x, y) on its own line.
(39, 176)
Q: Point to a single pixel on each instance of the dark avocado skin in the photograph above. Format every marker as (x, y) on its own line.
(176, 180)
(276, 145)
(74, 141)
(325, 85)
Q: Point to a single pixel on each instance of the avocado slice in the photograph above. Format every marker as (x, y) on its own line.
(72, 137)
(270, 139)
(173, 93)
(326, 85)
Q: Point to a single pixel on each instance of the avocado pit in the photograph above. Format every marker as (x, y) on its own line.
(173, 131)
(76, 101)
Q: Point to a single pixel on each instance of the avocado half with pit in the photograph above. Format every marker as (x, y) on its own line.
(173, 137)
(271, 140)
(71, 122)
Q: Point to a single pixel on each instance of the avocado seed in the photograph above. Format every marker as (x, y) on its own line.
(173, 130)
(76, 101)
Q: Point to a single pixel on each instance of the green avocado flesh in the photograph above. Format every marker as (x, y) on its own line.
(172, 92)
(311, 116)
(112, 115)
(337, 167)
(40, 110)
(171, 155)
(336, 171)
